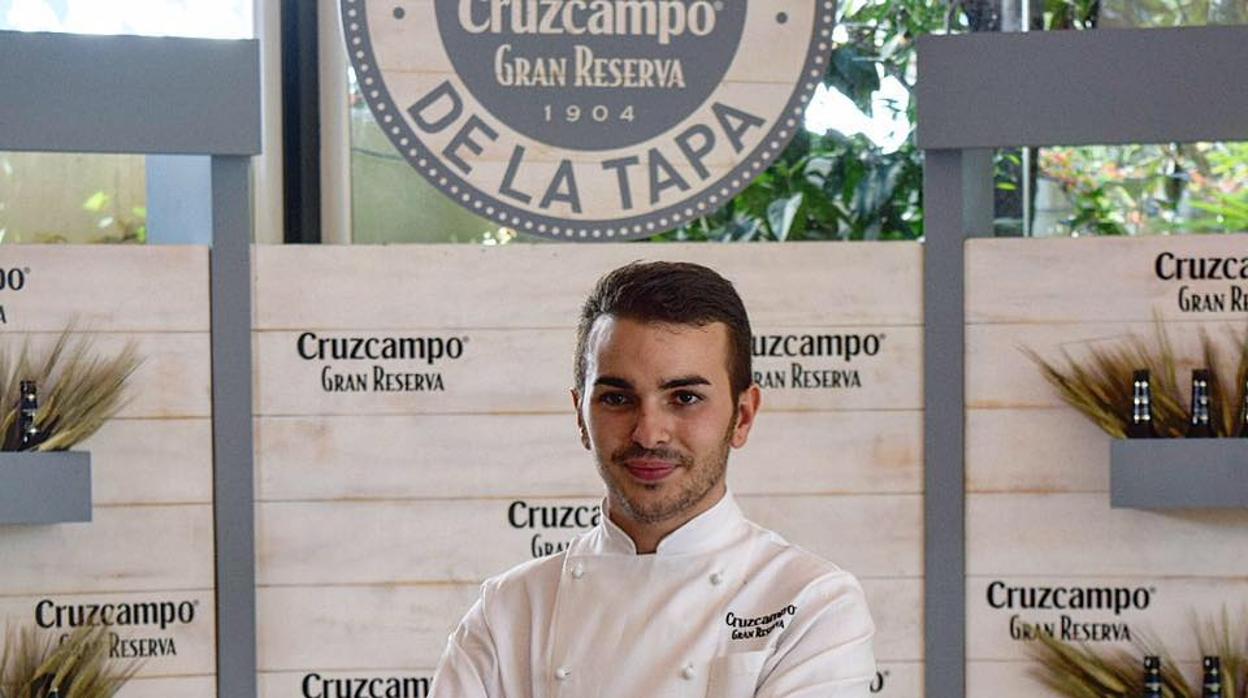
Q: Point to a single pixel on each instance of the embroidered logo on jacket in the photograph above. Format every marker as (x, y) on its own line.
(748, 627)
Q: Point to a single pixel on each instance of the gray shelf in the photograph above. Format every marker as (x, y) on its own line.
(45, 488)
(1178, 473)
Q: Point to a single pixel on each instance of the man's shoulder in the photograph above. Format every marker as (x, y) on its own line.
(800, 570)
(537, 576)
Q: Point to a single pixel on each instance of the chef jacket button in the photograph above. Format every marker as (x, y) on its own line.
(687, 672)
(578, 571)
(562, 673)
(717, 578)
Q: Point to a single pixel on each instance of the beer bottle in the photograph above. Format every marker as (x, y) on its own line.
(1152, 676)
(28, 432)
(1243, 415)
(1213, 678)
(1200, 426)
(1142, 425)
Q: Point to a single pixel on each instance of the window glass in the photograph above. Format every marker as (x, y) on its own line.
(72, 197)
(853, 174)
(208, 19)
(1132, 189)
(89, 198)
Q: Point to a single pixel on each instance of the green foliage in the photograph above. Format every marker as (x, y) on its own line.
(36, 665)
(1151, 189)
(129, 227)
(832, 186)
(1172, 13)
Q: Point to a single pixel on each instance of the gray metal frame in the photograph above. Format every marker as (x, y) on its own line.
(45, 488)
(158, 96)
(1178, 473)
(983, 91)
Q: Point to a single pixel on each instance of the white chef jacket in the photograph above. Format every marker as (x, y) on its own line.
(723, 609)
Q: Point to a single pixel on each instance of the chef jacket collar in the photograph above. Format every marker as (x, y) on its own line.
(708, 532)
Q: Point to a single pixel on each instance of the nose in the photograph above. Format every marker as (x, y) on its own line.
(653, 426)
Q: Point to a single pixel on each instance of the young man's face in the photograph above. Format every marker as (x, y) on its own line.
(658, 413)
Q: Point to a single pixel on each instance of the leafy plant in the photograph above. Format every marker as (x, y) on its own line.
(1078, 671)
(833, 186)
(79, 391)
(34, 666)
(1099, 384)
(130, 227)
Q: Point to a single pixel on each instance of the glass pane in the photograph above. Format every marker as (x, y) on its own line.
(1142, 189)
(54, 197)
(72, 197)
(853, 174)
(391, 202)
(1170, 13)
(1132, 189)
(208, 19)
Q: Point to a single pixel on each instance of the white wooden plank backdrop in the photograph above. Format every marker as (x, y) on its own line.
(1038, 509)
(366, 499)
(543, 286)
(514, 370)
(306, 457)
(151, 537)
(1174, 603)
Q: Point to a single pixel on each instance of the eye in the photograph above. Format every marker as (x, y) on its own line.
(613, 399)
(686, 398)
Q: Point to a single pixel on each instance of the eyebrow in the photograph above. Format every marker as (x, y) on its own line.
(682, 382)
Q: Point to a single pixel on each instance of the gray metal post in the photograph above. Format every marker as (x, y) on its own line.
(172, 96)
(957, 202)
(233, 479)
(177, 214)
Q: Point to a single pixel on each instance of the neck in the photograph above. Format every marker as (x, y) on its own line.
(647, 536)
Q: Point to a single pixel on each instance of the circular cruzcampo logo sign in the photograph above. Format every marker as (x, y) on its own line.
(589, 119)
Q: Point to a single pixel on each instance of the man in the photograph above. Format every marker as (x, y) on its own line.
(675, 593)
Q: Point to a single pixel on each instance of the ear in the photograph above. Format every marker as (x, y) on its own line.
(748, 405)
(580, 419)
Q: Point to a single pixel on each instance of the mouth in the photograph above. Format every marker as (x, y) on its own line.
(649, 470)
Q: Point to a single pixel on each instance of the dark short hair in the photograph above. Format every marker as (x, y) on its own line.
(679, 293)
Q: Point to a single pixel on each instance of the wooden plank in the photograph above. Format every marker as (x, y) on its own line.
(427, 286)
(350, 542)
(995, 679)
(1102, 279)
(179, 648)
(317, 458)
(117, 288)
(1014, 450)
(400, 682)
(180, 686)
(869, 535)
(145, 548)
(898, 680)
(151, 461)
(351, 628)
(1000, 375)
(173, 380)
(346, 628)
(1078, 534)
(1156, 607)
(484, 378)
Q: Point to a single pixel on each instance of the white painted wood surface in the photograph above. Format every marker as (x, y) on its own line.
(182, 687)
(366, 500)
(193, 644)
(151, 537)
(419, 456)
(1174, 604)
(1065, 280)
(408, 622)
(451, 287)
(107, 288)
(1038, 510)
